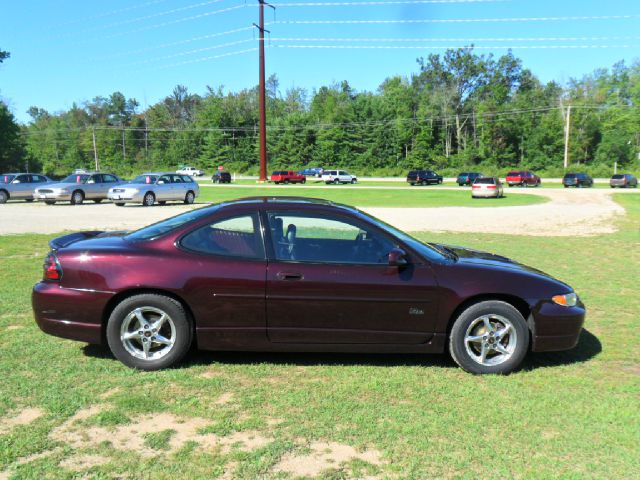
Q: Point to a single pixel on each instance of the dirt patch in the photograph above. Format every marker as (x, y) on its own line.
(15, 419)
(110, 393)
(324, 456)
(80, 463)
(568, 213)
(225, 398)
(132, 436)
(14, 327)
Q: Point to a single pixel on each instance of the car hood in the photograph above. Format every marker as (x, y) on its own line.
(486, 260)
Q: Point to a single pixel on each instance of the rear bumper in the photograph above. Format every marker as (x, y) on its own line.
(555, 327)
(69, 313)
(485, 193)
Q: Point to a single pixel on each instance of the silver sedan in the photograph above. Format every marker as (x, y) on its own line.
(77, 188)
(487, 187)
(20, 186)
(153, 187)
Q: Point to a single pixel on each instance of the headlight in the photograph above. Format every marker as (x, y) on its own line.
(566, 300)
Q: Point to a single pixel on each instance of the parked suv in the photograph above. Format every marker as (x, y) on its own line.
(522, 178)
(423, 177)
(77, 188)
(287, 176)
(338, 176)
(577, 180)
(20, 186)
(221, 177)
(467, 178)
(153, 187)
(623, 180)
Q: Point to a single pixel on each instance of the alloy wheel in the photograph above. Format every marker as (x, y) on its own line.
(148, 333)
(490, 340)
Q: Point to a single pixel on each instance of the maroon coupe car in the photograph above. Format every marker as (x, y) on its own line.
(297, 274)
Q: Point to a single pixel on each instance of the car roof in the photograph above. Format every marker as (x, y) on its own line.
(160, 173)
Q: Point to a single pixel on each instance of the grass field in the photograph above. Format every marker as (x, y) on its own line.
(430, 196)
(564, 415)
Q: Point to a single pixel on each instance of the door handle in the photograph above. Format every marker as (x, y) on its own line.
(289, 276)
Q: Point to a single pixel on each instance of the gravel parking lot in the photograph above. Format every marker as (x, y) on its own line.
(570, 212)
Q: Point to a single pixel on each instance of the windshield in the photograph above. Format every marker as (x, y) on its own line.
(76, 178)
(156, 230)
(484, 181)
(570, 175)
(7, 178)
(514, 174)
(424, 249)
(149, 179)
(615, 177)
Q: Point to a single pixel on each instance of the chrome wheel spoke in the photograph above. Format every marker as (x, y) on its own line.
(473, 339)
(145, 347)
(501, 333)
(140, 316)
(488, 325)
(500, 348)
(131, 336)
(162, 340)
(157, 325)
(483, 353)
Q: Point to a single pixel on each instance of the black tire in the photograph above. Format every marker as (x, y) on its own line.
(336, 181)
(189, 198)
(50, 202)
(4, 196)
(439, 181)
(304, 181)
(162, 202)
(183, 331)
(353, 180)
(119, 204)
(470, 316)
(29, 200)
(286, 182)
(77, 197)
(412, 184)
(149, 199)
(97, 200)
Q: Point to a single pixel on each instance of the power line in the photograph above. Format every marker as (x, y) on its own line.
(448, 47)
(213, 57)
(456, 20)
(452, 39)
(111, 13)
(376, 3)
(189, 52)
(173, 44)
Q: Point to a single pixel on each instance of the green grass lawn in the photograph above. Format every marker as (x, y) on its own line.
(431, 196)
(564, 415)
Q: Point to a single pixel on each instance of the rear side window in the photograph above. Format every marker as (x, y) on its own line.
(186, 179)
(232, 237)
(485, 181)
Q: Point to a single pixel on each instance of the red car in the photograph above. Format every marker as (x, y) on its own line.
(297, 274)
(287, 176)
(522, 178)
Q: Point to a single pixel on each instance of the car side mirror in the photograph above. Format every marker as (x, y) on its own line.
(397, 258)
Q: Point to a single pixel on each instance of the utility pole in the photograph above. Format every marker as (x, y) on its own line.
(95, 150)
(262, 93)
(124, 149)
(566, 137)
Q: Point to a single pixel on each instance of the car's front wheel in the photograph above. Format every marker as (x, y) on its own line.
(149, 199)
(77, 198)
(489, 337)
(4, 196)
(149, 332)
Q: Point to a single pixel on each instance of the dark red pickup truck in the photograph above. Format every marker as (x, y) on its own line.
(287, 176)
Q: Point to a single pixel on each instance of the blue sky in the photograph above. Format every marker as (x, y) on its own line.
(71, 51)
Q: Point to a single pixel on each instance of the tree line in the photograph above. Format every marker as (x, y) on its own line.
(459, 110)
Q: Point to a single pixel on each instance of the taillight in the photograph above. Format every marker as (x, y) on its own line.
(491, 186)
(476, 186)
(52, 268)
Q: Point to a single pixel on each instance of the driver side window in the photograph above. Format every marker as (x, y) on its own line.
(324, 239)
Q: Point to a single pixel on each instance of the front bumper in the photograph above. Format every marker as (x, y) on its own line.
(555, 327)
(69, 313)
(125, 197)
(58, 197)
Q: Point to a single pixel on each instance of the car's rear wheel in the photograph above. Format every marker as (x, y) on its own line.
(489, 337)
(286, 182)
(149, 332)
(353, 180)
(162, 202)
(336, 181)
(149, 199)
(97, 200)
(29, 200)
(77, 197)
(119, 204)
(189, 198)
(4, 196)
(50, 202)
